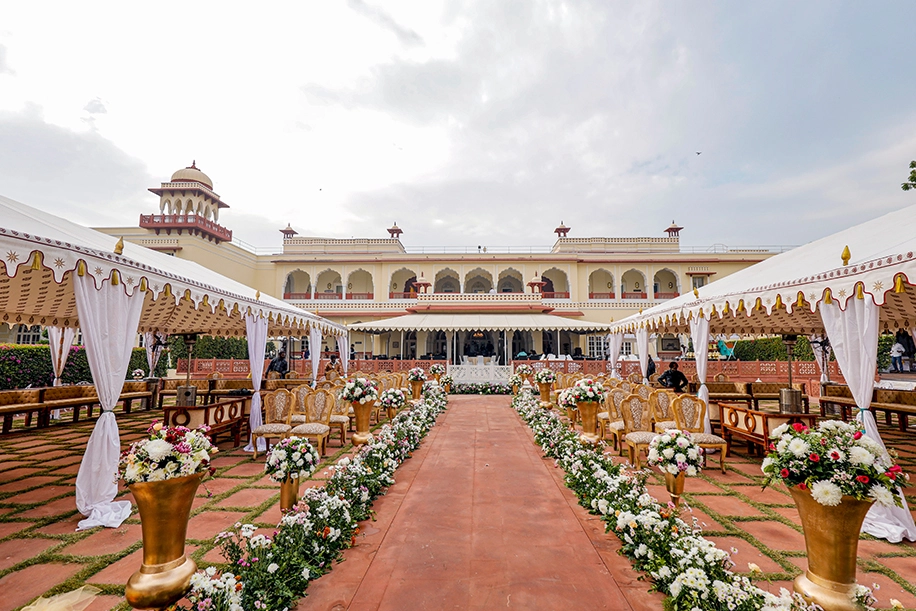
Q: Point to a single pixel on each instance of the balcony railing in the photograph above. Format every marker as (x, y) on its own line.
(402, 295)
(634, 295)
(297, 295)
(666, 295)
(601, 295)
(329, 296)
(358, 296)
(555, 295)
(192, 223)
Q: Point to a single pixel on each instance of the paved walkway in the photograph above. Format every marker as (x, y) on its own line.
(479, 520)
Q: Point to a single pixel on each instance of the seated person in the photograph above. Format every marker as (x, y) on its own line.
(673, 379)
(521, 355)
(279, 364)
(333, 370)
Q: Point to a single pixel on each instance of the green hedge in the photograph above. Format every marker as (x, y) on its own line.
(208, 347)
(772, 349)
(22, 366)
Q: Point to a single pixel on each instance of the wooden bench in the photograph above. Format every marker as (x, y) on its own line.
(837, 395)
(756, 426)
(725, 391)
(222, 388)
(899, 402)
(769, 391)
(228, 415)
(169, 388)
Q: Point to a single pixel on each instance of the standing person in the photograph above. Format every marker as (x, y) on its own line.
(333, 370)
(650, 368)
(279, 364)
(897, 352)
(673, 378)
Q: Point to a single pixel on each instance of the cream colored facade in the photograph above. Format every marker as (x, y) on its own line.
(598, 279)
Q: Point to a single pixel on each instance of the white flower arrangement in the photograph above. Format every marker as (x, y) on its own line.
(832, 461)
(138, 374)
(566, 399)
(515, 380)
(169, 452)
(293, 457)
(675, 452)
(359, 390)
(392, 398)
(446, 380)
(416, 375)
(586, 390)
(437, 369)
(545, 376)
(524, 369)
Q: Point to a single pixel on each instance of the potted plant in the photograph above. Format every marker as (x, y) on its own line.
(416, 377)
(163, 473)
(392, 400)
(524, 371)
(437, 370)
(834, 473)
(587, 392)
(362, 394)
(515, 381)
(446, 381)
(676, 455)
(289, 462)
(545, 379)
(565, 400)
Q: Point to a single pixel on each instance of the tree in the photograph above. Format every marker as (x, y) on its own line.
(911, 181)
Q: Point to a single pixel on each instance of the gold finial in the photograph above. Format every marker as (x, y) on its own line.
(827, 298)
(899, 287)
(778, 304)
(801, 300)
(119, 247)
(860, 290)
(696, 293)
(257, 295)
(36, 261)
(845, 255)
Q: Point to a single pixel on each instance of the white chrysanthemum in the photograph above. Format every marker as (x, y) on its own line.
(779, 431)
(783, 444)
(672, 469)
(882, 496)
(668, 452)
(157, 449)
(766, 463)
(860, 456)
(691, 470)
(799, 447)
(680, 458)
(826, 493)
(693, 454)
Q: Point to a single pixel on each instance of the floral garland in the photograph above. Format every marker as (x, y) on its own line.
(273, 572)
(545, 376)
(416, 375)
(359, 390)
(293, 457)
(679, 561)
(481, 388)
(168, 453)
(675, 451)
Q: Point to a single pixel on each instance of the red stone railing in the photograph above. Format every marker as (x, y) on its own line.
(634, 295)
(238, 368)
(666, 295)
(297, 296)
(555, 295)
(359, 296)
(185, 222)
(402, 295)
(601, 295)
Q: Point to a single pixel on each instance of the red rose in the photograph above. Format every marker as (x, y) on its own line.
(857, 435)
(772, 447)
(784, 473)
(862, 479)
(799, 427)
(895, 469)
(814, 457)
(891, 475)
(835, 455)
(802, 486)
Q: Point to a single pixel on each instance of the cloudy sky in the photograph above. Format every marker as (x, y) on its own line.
(467, 122)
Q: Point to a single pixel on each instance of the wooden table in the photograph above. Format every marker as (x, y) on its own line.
(755, 425)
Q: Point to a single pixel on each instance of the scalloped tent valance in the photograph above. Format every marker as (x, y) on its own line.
(875, 260)
(41, 252)
(479, 322)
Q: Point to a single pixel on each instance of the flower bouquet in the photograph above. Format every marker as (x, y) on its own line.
(515, 381)
(587, 390)
(392, 399)
(524, 370)
(292, 458)
(169, 452)
(446, 382)
(138, 374)
(437, 369)
(545, 376)
(358, 390)
(675, 452)
(416, 375)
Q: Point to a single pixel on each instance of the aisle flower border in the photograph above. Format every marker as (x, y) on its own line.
(273, 572)
(680, 563)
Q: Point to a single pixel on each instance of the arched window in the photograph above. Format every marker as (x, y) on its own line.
(298, 286)
(601, 285)
(329, 285)
(633, 285)
(556, 284)
(360, 286)
(665, 285)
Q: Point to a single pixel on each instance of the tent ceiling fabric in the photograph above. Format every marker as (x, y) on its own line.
(479, 322)
(41, 252)
(782, 294)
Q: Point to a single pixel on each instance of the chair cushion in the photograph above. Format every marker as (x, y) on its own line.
(274, 428)
(604, 416)
(298, 419)
(665, 425)
(640, 437)
(617, 425)
(311, 428)
(702, 438)
(340, 419)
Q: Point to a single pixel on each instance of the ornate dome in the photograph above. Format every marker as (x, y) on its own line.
(191, 173)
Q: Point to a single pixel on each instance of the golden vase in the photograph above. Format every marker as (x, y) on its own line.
(675, 486)
(362, 434)
(544, 388)
(165, 574)
(448, 388)
(437, 376)
(515, 389)
(832, 542)
(289, 493)
(416, 389)
(588, 412)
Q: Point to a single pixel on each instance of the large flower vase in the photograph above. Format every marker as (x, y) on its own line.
(437, 376)
(588, 411)
(416, 389)
(832, 542)
(448, 388)
(544, 388)
(289, 493)
(675, 486)
(362, 434)
(515, 389)
(165, 574)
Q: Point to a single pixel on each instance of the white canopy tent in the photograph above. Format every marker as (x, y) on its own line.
(60, 274)
(850, 286)
(480, 322)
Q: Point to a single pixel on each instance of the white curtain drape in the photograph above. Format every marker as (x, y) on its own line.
(256, 332)
(109, 319)
(343, 347)
(642, 345)
(819, 353)
(315, 339)
(699, 333)
(615, 345)
(853, 335)
(59, 339)
(154, 343)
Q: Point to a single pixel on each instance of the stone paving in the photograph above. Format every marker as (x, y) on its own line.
(41, 554)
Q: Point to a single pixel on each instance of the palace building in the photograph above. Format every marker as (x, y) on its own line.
(496, 303)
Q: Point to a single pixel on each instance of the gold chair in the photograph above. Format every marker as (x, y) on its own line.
(278, 406)
(318, 405)
(634, 378)
(638, 431)
(610, 420)
(643, 391)
(273, 375)
(625, 386)
(300, 411)
(340, 418)
(689, 413)
(662, 416)
(291, 375)
(721, 377)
